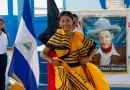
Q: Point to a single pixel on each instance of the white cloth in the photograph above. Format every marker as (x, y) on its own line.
(3, 43)
(106, 59)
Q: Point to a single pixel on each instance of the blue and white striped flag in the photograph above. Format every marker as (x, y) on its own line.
(25, 63)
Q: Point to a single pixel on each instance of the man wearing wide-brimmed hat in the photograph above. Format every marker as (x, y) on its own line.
(107, 53)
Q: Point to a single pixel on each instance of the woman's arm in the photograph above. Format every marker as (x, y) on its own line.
(44, 55)
(92, 53)
(88, 58)
(10, 48)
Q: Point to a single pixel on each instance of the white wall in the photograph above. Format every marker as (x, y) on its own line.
(82, 4)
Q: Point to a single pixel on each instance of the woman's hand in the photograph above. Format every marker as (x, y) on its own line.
(11, 48)
(56, 63)
(85, 60)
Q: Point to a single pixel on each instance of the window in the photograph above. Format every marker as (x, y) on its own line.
(40, 7)
(15, 7)
(3, 7)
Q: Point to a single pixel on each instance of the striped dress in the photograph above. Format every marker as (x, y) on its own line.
(71, 75)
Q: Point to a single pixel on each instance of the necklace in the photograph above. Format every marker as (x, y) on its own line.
(71, 35)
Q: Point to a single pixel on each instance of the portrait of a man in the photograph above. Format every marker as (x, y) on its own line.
(107, 53)
(110, 34)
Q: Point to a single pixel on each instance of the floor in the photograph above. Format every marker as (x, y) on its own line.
(42, 88)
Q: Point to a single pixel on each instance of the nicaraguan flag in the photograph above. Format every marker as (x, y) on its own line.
(25, 63)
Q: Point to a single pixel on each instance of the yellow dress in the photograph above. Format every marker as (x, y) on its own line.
(71, 75)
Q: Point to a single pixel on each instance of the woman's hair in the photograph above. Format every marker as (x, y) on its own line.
(3, 29)
(68, 13)
(74, 15)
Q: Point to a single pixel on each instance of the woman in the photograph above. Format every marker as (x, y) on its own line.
(51, 70)
(73, 50)
(4, 37)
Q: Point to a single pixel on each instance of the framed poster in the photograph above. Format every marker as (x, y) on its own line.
(109, 32)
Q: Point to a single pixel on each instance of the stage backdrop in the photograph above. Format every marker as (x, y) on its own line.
(117, 19)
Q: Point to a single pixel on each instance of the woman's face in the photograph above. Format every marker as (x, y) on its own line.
(105, 39)
(1, 24)
(66, 23)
